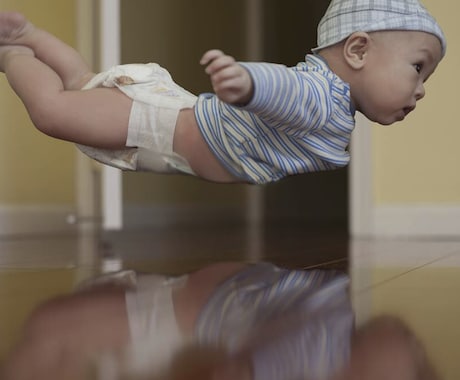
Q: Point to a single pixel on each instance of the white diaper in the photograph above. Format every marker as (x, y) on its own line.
(155, 335)
(157, 100)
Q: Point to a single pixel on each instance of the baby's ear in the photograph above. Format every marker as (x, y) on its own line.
(355, 49)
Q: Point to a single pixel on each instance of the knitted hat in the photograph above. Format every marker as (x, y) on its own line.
(344, 17)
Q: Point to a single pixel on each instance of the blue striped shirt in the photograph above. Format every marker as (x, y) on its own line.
(299, 120)
(297, 323)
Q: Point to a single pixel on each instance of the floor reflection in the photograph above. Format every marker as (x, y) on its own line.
(418, 280)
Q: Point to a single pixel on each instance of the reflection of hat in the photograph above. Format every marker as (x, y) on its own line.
(344, 17)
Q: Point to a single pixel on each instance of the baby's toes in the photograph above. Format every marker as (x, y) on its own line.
(12, 26)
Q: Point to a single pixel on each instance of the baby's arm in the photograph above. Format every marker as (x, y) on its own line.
(277, 94)
(231, 82)
(284, 97)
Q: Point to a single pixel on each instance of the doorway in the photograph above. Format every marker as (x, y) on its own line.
(175, 34)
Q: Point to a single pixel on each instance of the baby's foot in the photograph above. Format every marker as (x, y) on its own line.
(13, 26)
(7, 51)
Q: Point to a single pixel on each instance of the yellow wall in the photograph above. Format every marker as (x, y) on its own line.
(416, 161)
(34, 168)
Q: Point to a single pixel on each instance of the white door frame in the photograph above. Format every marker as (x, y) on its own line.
(98, 187)
(110, 55)
(87, 196)
(360, 193)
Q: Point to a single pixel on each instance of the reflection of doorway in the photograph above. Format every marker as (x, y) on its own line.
(175, 35)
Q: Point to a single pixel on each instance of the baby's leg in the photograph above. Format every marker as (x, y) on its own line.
(68, 64)
(97, 117)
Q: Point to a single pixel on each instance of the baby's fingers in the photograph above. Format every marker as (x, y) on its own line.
(210, 55)
(218, 65)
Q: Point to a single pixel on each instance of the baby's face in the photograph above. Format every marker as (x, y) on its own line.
(398, 63)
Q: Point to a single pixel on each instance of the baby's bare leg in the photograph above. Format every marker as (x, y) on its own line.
(97, 117)
(68, 64)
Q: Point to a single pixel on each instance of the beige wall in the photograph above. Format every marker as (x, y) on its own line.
(34, 168)
(417, 161)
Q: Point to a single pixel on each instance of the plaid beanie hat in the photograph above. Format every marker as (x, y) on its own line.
(344, 17)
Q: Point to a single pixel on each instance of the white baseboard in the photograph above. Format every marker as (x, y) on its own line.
(417, 221)
(54, 219)
(388, 220)
(35, 219)
(51, 219)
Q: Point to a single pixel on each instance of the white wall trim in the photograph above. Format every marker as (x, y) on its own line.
(35, 219)
(396, 220)
(87, 171)
(360, 198)
(110, 41)
(424, 220)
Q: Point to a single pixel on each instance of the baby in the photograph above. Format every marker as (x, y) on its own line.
(264, 122)
(225, 321)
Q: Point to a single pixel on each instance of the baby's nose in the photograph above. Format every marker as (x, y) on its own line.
(420, 92)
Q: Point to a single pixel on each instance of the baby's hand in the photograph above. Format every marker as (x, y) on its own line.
(231, 82)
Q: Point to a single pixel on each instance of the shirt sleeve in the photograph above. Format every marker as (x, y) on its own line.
(288, 98)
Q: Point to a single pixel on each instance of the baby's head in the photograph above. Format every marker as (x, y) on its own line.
(385, 348)
(345, 17)
(385, 50)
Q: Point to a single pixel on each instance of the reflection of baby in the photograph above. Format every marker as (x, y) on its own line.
(383, 349)
(226, 321)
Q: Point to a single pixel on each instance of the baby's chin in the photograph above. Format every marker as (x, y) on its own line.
(389, 120)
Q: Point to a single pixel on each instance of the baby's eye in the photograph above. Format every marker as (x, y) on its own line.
(418, 67)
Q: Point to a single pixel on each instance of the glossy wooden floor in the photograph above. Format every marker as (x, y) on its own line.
(36, 268)
(418, 279)
(186, 248)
